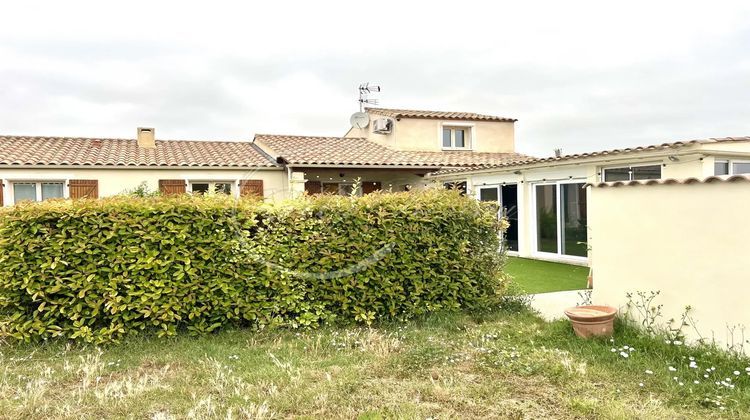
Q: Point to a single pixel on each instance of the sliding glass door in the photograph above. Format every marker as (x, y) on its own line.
(561, 219)
(506, 196)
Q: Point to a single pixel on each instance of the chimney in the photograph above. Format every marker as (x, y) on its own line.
(146, 138)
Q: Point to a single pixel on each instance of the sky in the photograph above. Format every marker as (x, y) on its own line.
(581, 76)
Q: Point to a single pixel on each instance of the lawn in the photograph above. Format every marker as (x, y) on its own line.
(506, 365)
(534, 276)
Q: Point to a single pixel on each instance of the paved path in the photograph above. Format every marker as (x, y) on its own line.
(552, 305)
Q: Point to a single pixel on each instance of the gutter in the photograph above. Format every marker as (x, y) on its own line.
(573, 161)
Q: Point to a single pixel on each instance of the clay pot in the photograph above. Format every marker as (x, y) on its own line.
(592, 320)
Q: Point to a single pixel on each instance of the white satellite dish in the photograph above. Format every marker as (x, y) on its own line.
(360, 120)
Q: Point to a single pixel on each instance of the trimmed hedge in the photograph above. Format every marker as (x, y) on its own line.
(97, 270)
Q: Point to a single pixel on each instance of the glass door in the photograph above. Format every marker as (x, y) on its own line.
(561, 219)
(506, 197)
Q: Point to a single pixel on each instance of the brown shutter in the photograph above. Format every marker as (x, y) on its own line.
(313, 187)
(369, 187)
(251, 187)
(172, 186)
(1, 193)
(83, 188)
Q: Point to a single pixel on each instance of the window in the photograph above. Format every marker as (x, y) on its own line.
(631, 173)
(460, 186)
(456, 138)
(561, 213)
(727, 167)
(212, 187)
(721, 168)
(37, 191)
(340, 188)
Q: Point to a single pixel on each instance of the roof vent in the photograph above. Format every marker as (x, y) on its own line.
(558, 153)
(146, 137)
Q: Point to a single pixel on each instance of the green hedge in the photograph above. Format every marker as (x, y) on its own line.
(97, 270)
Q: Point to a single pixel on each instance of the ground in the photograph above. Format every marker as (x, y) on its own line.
(502, 364)
(535, 276)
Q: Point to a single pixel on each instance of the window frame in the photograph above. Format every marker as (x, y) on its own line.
(604, 169)
(10, 190)
(469, 135)
(338, 187)
(730, 163)
(559, 256)
(234, 192)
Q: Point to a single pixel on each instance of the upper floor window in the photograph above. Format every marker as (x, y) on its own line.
(632, 173)
(456, 137)
(37, 191)
(726, 167)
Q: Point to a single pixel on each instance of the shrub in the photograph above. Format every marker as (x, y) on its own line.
(97, 270)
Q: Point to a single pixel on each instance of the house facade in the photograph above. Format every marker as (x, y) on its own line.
(546, 200)
(395, 158)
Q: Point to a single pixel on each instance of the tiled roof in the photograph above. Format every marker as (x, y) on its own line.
(612, 152)
(355, 151)
(54, 151)
(672, 181)
(443, 115)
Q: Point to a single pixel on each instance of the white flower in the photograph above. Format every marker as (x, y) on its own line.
(623, 354)
(613, 350)
(747, 369)
(672, 369)
(736, 373)
(640, 384)
(680, 384)
(674, 378)
(648, 372)
(625, 347)
(691, 358)
(696, 382)
(705, 376)
(693, 365)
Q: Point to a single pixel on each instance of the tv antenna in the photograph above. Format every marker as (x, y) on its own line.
(365, 90)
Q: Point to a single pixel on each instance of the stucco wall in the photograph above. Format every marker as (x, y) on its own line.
(687, 241)
(423, 134)
(116, 181)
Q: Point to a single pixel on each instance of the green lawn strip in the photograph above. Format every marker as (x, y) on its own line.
(446, 366)
(535, 276)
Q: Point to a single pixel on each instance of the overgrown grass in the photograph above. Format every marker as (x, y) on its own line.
(535, 276)
(508, 365)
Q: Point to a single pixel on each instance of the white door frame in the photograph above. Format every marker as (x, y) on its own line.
(559, 256)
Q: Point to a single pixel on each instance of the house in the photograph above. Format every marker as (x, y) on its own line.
(395, 157)
(547, 204)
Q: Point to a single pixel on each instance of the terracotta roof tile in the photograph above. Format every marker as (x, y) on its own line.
(443, 115)
(612, 152)
(672, 181)
(355, 151)
(74, 151)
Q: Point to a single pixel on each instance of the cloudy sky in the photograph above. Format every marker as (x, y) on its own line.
(583, 76)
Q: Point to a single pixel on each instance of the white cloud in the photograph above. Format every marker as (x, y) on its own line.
(577, 75)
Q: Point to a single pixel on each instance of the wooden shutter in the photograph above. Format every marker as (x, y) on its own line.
(172, 186)
(1, 193)
(369, 187)
(83, 188)
(313, 187)
(251, 187)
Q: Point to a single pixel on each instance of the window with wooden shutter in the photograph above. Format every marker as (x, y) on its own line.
(313, 187)
(370, 187)
(83, 188)
(251, 187)
(172, 186)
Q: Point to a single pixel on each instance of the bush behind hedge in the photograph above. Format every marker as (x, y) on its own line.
(97, 270)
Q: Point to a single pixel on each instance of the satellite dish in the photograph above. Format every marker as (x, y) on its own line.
(360, 120)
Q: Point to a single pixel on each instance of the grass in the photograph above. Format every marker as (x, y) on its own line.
(506, 365)
(534, 276)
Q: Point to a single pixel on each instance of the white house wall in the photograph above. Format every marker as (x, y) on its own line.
(118, 181)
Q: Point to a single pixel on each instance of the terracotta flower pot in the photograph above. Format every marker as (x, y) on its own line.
(592, 320)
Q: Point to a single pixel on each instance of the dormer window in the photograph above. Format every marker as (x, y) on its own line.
(456, 137)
